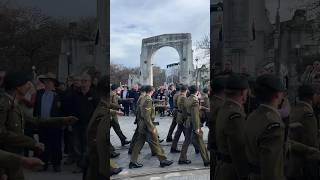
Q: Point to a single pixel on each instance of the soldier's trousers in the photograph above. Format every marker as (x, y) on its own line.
(181, 129)
(199, 141)
(225, 171)
(154, 144)
(134, 140)
(116, 127)
(172, 126)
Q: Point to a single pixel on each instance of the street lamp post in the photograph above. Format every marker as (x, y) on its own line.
(68, 61)
(197, 72)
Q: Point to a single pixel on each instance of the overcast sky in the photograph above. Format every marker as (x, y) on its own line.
(131, 21)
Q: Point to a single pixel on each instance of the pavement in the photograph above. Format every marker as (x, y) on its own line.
(151, 169)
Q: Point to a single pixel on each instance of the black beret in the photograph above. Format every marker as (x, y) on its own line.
(193, 89)
(16, 79)
(270, 82)
(183, 87)
(114, 87)
(237, 82)
(306, 90)
(142, 89)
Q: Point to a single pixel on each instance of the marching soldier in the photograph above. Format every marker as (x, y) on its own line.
(174, 121)
(114, 104)
(232, 161)
(192, 128)
(13, 120)
(97, 135)
(303, 113)
(182, 116)
(265, 138)
(217, 102)
(138, 118)
(148, 132)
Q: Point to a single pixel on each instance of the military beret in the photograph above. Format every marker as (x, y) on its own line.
(237, 82)
(114, 87)
(306, 90)
(142, 89)
(16, 79)
(270, 82)
(193, 89)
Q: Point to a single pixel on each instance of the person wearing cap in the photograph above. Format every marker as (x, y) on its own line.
(13, 120)
(231, 157)
(148, 132)
(174, 114)
(266, 140)
(96, 134)
(48, 104)
(181, 118)
(193, 129)
(138, 119)
(303, 114)
(114, 104)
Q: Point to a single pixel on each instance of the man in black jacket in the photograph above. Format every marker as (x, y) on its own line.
(48, 104)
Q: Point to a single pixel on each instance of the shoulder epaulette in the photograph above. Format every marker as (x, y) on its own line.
(272, 126)
(234, 116)
(307, 115)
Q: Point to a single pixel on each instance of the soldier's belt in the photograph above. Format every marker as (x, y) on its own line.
(224, 157)
(254, 169)
(156, 123)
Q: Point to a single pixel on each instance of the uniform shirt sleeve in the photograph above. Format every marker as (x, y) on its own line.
(9, 160)
(147, 114)
(236, 145)
(271, 152)
(195, 116)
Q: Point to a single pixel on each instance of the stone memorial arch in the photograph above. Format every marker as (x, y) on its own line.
(181, 42)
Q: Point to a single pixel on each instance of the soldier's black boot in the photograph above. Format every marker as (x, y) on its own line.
(135, 165)
(115, 171)
(114, 154)
(184, 162)
(165, 163)
(125, 142)
(174, 150)
(169, 139)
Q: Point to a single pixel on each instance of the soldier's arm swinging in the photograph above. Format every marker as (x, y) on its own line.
(147, 115)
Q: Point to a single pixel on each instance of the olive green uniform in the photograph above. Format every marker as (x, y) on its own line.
(12, 123)
(114, 104)
(299, 167)
(145, 128)
(205, 109)
(232, 161)
(266, 148)
(9, 161)
(217, 102)
(174, 114)
(134, 139)
(191, 124)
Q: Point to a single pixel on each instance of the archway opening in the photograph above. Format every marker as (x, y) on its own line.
(165, 66)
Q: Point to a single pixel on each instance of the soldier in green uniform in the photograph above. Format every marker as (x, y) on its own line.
(114, 104)
(265, 138)
(205, 106)
(174, 114)
(192, 128)
(148, 132)
(299, 167)
(182, 116)
(96, 135)
(231, 157)
(138, 118)
(217, 99)
(13, 119)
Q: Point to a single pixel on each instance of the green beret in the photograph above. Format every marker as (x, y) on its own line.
(16, 79)
(114, 87)
(306, 90)
(270, 82)
(219, 82)
(237, 82)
